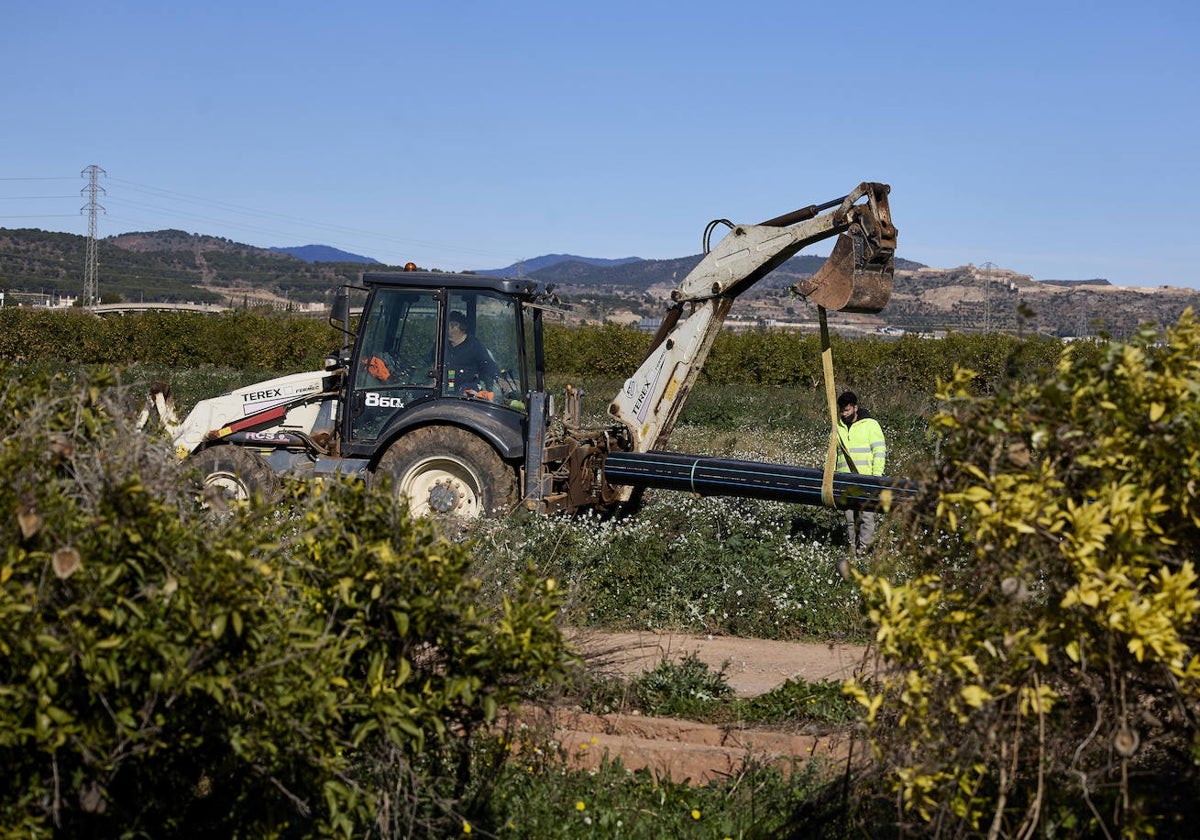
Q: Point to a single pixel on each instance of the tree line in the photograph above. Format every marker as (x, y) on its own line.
(276, 342)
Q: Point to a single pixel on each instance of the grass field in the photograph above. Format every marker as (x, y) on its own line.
(730, 566)
(713, 565)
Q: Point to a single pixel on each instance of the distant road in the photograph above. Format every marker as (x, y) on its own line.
(122, 308)
(206, 308)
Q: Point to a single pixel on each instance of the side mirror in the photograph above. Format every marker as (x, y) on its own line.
(339, 318)
(340, 314)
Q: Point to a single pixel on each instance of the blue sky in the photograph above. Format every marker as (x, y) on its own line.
(1057, 139)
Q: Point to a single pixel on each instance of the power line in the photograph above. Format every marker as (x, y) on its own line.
(247, 219)
(316, 225)
(32, 216)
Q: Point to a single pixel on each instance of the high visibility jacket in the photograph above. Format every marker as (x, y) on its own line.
(864, 440)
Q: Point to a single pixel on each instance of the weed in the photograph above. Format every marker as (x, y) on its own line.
(798, 701)
(686, 688)
(736, 567)
(613, 801)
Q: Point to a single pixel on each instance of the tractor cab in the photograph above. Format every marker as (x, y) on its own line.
(442, 348)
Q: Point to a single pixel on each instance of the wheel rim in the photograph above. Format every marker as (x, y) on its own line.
(439, 485)
(231, 488)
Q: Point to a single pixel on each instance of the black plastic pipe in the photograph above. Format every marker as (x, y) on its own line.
(750, 479)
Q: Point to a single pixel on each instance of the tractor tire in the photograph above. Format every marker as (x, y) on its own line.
(449, 472)
(235, 474)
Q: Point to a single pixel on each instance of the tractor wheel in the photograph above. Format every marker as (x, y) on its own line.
(446, 471)
(235, 473)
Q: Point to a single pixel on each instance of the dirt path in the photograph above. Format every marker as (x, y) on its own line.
(686, 749)
(752, 666)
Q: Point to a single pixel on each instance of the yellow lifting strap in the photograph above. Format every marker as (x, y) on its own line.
(831, 399)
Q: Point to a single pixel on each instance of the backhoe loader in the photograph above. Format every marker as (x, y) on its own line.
(475, 434)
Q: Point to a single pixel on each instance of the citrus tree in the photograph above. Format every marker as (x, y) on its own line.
(1041, 666)
(173, 670)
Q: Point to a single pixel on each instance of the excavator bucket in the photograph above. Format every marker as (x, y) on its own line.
(849, 283)
(857, 277)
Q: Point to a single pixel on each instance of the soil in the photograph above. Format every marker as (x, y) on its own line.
(682, 749)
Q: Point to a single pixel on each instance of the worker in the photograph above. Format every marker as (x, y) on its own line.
(468, 361)
(863, 450)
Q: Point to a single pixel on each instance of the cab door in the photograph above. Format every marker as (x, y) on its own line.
(396, 359)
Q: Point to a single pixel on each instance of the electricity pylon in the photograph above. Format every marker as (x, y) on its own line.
(91, 295)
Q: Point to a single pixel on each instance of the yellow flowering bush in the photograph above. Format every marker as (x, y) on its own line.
(321, 667)
(1041, 667)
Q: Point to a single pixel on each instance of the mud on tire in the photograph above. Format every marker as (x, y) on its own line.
(447, 471)
(235, 473)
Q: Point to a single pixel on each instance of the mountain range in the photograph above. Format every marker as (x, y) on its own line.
(173, 265)
(324, 253)
(526, 267)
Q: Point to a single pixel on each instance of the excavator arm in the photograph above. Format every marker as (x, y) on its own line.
(857, 277)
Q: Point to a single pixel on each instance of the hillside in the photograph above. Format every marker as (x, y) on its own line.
(538, 263)
(166, 265)
(924, 299)
(324, 253)
(970, 298)
(176, 266)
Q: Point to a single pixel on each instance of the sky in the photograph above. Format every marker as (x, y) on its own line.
(1055, 139)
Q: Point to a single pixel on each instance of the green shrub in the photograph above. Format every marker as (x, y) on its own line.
(232, 339)
(798, 701)
(1043, 661)
(604, 351)
(771, 358)
(686, 688)
(910, 365)
(170, 671)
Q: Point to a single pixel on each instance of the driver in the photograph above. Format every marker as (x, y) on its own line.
(472, 364)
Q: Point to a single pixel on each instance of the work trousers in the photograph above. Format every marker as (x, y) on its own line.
(860, 528)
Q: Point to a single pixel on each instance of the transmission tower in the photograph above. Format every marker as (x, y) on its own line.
(987, 296)
(91, 295)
